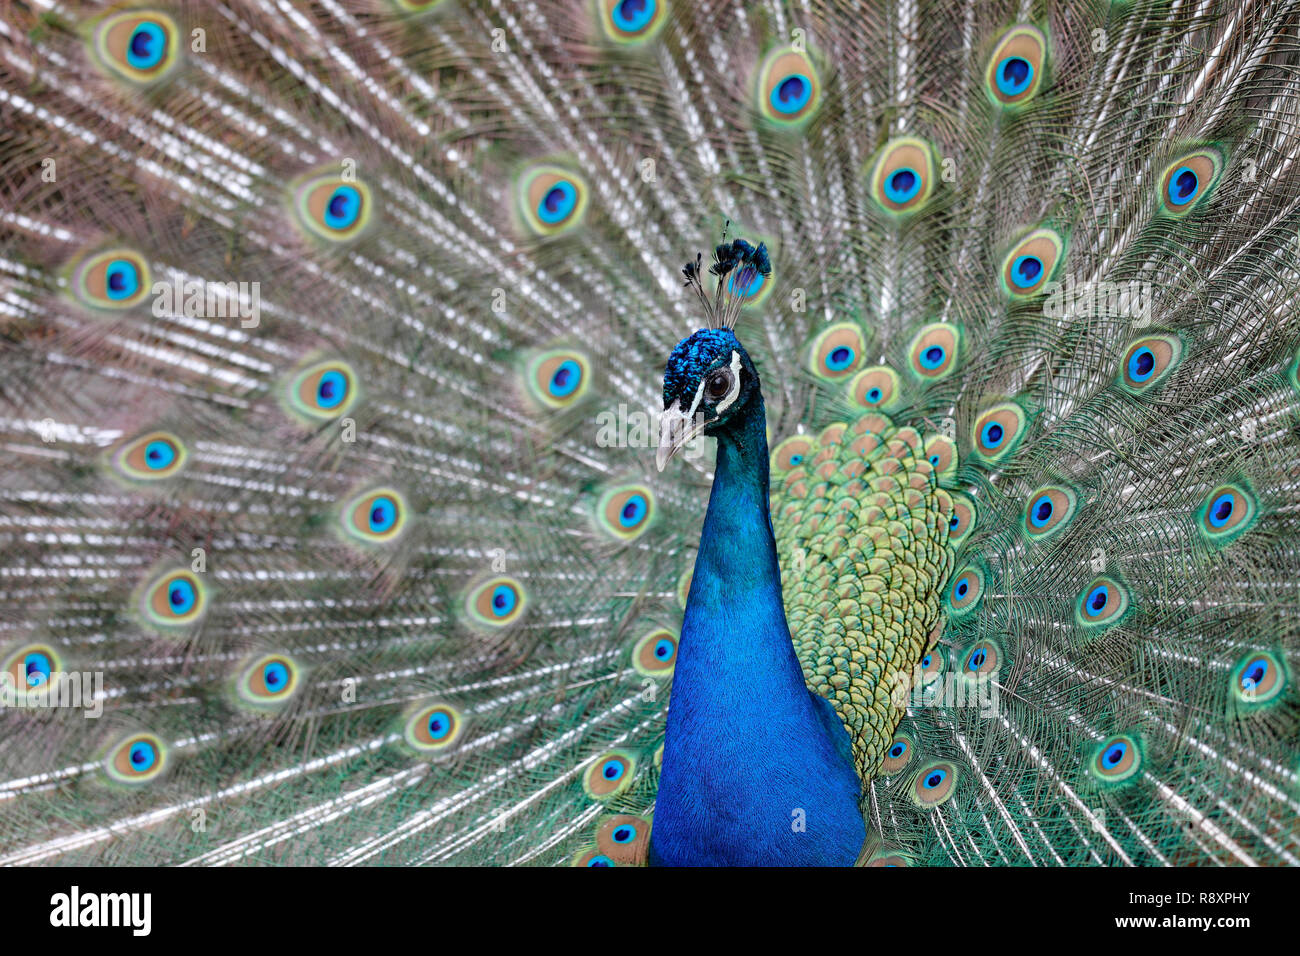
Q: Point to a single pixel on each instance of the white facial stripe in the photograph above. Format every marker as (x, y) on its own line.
(735, 384)
(699, 394)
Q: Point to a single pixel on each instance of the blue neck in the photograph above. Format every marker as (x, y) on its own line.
(756, 769)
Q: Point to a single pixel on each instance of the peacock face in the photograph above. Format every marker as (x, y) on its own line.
(709, 379)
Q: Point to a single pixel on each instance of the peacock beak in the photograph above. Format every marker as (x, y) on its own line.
(676, 430)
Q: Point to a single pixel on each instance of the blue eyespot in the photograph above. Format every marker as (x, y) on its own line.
(1141, 364)
(899, 748)
(632, 16)
(1014, 75)
(963, 586)
(934, 778)
(796, 460)
(633, 511)
(1041, 511)
(331, 389)
(953, 523)
(121, 280)
(36, 666)
(343, 207)
(1096, 600)
(142, 756)
(383, 514)
(791, 94)
(1114, 754)
(925, 662)
(503, 600)
(934, 463)
(932, 357)
(1252, 675)
(624, 834)
(147, 46)
(902, 184)
(181, 596)
(976, 660)
(439, 724)
(1183, 186)
(751, 282)
(874, 396)
(158, 455)
(1026, 270)
(276, 676)
(612, 770)
(600, 860)
(565, 379)
(841, 357)
(665, 649)
(558, 203)
(1220, 510)
(991, 435)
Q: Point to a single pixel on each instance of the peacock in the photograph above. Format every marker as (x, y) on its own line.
(623, 432)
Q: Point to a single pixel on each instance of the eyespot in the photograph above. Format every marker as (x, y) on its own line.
(433, 728)
(137, 759)
(1228, 512)
(1048, 510)
(626, 512)
(31, 667)
(789, 89)
(791, 453)
(1188, 180)
(898, 756)
(551, 200)
(684, 585)
(376, 516)
(965, 591)
(902, 178)
(151, 457)
(962, 520)
(609, 775)
(324, 391)
(875, 388)
(931, 665)
(333, 208)
(933, 352)
(558, 378)
(632, 21)
(1102, 602)
(837, 352)
(496, 602)
(269, 681)
(1258, 678)
(1015, 70)
(1031, 263)
(655, 654)
(998, 431)
(175, 599)
(934, 783)
(117, 279)
(137, 45)
(592, 858)
(941, 452)
(624, 839)
(1148, 360)
(981, 660)
(1116, 759)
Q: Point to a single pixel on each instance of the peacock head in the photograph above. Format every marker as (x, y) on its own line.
(708, 382)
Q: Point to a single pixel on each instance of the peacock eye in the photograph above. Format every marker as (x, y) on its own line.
(718, 384)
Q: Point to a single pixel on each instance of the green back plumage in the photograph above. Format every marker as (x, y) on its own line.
(362, 533)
